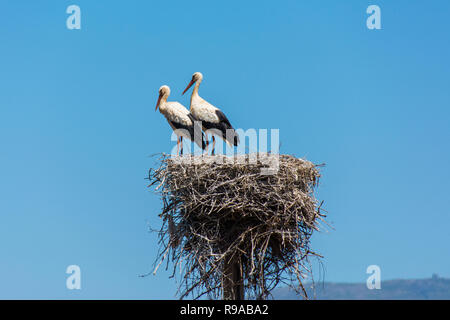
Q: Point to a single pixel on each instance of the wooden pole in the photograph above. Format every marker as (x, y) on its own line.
(232, 282)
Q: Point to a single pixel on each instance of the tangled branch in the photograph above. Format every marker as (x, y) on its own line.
(230, 210)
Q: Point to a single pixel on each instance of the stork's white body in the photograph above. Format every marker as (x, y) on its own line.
(176, 113)
(206, 112)
(180, 119)
(213, 119)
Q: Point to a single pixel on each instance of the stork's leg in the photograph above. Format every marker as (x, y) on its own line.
(178, 146)
(207, 143)
(181, 140)
(214, 145)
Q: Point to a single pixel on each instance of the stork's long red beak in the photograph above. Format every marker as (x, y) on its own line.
(188, 86)
(157, 103)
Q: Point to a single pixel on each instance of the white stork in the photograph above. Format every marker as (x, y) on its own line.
(212, 118)
(180, 119)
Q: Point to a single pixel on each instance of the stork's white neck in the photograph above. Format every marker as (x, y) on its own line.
(195, 95)
(162, 103)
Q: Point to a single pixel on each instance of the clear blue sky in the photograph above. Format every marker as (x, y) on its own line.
(77, 127)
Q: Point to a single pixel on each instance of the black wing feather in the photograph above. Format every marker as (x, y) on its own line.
(223, 118)
(224, 125)
(191, 130)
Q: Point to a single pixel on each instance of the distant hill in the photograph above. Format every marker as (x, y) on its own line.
(432, 288)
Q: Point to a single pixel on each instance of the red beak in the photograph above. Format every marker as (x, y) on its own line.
(189, 85)
(157, 103)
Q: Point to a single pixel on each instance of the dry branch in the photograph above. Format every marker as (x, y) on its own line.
(213, 212)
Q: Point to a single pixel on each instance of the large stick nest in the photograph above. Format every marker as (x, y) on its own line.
(218, 207)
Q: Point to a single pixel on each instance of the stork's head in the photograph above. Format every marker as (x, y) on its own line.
(164, 92)
(195, 77)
